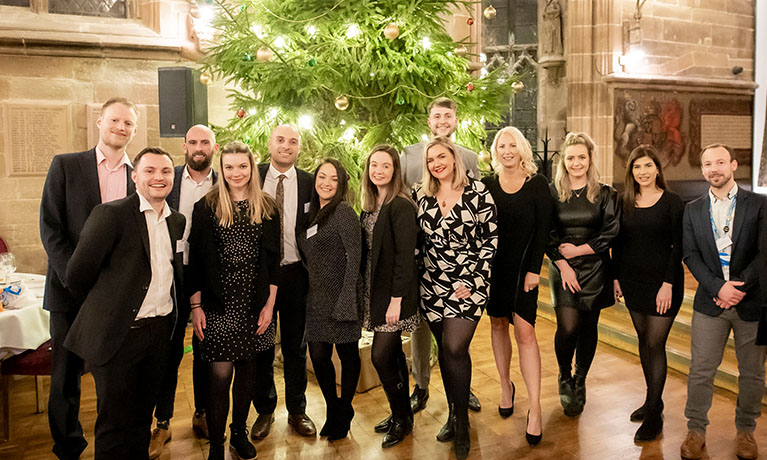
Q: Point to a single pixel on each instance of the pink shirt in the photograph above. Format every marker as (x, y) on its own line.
(112, 182)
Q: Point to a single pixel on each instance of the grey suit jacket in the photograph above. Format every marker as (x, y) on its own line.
(411, 160)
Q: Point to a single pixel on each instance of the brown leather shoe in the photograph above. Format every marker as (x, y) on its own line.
(302, 424)
(200, 425)
(746, 446)
(261, 426)
(162, 436)
(692, 447)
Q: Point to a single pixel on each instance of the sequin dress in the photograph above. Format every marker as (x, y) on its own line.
(230, 334)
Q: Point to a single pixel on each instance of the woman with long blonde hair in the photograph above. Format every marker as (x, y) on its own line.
(585, 223)
(233, 267)
(524, 217)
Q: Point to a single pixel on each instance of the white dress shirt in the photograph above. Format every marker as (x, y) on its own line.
(719, 211)
(189, 194)
(290, 208)
(158, 301)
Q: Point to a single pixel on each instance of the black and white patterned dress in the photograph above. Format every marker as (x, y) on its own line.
(458, 248)
(230, 335)
(333, 256)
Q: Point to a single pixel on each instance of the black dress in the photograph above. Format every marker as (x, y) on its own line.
(230, 334)
(524, 220)
(333, 253)
(648, 252)
(578, 221)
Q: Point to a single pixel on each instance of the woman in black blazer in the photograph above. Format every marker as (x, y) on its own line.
(390, 283)
(232, 278)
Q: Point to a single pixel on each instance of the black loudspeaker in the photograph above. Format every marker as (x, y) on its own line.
(183, 100)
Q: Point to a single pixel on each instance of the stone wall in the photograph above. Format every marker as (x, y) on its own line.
(689, 46)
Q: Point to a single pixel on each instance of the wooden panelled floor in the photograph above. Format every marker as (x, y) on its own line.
(603, 431)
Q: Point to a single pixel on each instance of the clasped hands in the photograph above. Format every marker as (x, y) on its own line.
(729, 295)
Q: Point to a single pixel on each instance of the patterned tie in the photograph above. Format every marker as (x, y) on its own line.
(281, 208)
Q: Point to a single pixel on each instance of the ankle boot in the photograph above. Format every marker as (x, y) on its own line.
(579, 387)
(342, 422)
(567, 395)
(447, 432)
(239, 446)
(216, 451)
(402, 416)
(462, 442)
(331, 416)
(651, 428)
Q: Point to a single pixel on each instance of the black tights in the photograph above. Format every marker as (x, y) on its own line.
(652, 332)
(453, 339)
(388, 358)
(220, 379)
(321, 353)
(577, 335)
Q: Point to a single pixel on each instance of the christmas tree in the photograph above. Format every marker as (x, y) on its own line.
(350, 73)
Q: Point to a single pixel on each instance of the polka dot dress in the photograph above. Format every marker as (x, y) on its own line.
(231, 335)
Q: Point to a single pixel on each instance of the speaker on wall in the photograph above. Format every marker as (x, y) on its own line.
(183, 100)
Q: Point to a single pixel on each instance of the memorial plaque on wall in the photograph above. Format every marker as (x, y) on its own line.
(677, 124)
(139, 141)
(34, 134)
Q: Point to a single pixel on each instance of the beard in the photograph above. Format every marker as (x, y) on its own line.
(198, 165)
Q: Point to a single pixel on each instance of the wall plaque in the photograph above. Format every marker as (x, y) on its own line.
(35, 133)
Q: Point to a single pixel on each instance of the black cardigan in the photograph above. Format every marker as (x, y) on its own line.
(203, 270)
(393, 267)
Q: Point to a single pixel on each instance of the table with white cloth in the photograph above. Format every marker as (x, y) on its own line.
(26, 326)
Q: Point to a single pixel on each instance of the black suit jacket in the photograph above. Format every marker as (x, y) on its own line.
(111, 267)
(174, 199)
(393, 266)
(702, 256)
(71, 191)
(305, 192)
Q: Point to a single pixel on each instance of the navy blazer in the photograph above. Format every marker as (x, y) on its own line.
(111, 268)
(174, 198)
(71, 191)
(702, 257)
(305, 192)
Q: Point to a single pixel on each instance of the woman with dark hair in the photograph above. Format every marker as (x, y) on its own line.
(331, 247)
(648, 274)
(390, 283)
(233, 267)
(524, 217)
(457, 218)
(585, 224)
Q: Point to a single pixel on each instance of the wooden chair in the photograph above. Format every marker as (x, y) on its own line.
(31, 362)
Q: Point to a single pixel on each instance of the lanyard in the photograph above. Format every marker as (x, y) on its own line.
(726, 227)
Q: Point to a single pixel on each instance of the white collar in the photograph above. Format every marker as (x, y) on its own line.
(145, 206)
(274, 173)
(730, 195)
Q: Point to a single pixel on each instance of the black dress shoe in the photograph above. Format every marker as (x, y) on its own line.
(507, 412)
(418, 399)
(302, 424)
(383, 425)
(239, 446)
(532, 439)
(462, 442)
(343, 423)
(261, 426)
(639, 414)
(447, 432)
(399, 429)
(651, 428)
(474, 404)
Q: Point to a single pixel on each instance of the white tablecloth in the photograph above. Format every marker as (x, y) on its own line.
(26, 328)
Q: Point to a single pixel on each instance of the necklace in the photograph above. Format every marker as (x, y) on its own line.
(578, 194)
(444, 203)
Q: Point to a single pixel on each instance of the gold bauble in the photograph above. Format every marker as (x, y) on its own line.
(391, 31)
(342, 102)
(517, 86)
(489, 12)
(264, 54)
(204, 78)
(194, 11)
(460, 50)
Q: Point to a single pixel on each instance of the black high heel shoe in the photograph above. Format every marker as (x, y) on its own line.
(507, 412)
(532, 439)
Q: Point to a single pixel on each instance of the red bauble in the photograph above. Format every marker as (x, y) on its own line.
(241, 113)
(470, 21)
(470, 87)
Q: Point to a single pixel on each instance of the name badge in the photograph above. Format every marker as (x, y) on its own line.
(723, 243)
(183, 247)
(311, 231)
(306, 207)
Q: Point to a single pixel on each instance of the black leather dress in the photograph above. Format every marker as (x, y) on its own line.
(578, 221)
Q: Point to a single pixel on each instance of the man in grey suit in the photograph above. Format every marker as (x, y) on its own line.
(721, 248)
(442, 122)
